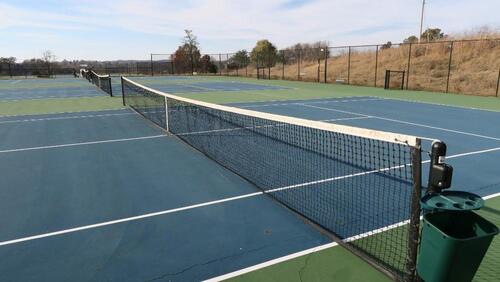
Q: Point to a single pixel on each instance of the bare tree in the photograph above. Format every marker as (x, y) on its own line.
(191, 41)
(48, 57)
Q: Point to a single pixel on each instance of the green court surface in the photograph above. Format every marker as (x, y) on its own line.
(62, 105)
(330, 264)
(333, 264)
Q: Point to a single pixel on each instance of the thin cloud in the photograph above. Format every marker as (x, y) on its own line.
(224, 23)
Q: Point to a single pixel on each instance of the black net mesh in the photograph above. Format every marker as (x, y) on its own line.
(358, 189)
(101, 81)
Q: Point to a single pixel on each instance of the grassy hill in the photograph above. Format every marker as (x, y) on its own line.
(472, 60)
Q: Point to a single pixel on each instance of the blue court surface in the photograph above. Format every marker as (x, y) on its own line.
(182, 84)
(109, 196)
(212, 86)
(64, 87)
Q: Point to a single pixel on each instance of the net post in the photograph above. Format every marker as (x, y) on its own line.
(152, 70)
(110, 86)
(123, 91)
(414, 228)
(166, 114)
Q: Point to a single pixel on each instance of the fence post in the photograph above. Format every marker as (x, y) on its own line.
(449, 67)
(376, 66)
(349, 66)
(498, 81)
(10, 70)
(220, 65)
(298, 66)
(326, 62)
(408, 68)
(246, 70)
(283, 68)
(151, 65)
(319, 66)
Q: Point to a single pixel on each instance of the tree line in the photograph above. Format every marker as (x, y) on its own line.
(188, 59)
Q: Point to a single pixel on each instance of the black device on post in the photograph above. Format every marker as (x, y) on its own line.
(440, 173)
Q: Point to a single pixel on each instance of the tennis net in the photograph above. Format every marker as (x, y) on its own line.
(360, 187)
(101, 81)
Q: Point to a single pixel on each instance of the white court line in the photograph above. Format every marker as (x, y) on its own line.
(272, 262)
(15, 82)
(320, 247)
(127, 219)
(474, 153)
(197, 87)
(312, 102)
(50, 97)
(406, 122)
(440, 104)
(56, 113)
(305, 252)
(349, 118)
(387, 99)
(491, 196)
(284, 102)
(63, 118)
(80, 144)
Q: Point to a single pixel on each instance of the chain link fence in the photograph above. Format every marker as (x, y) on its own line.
(462, 66)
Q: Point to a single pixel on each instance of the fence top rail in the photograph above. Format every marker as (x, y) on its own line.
(370, 45)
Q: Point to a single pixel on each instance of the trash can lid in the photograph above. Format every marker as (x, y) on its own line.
(452, 201)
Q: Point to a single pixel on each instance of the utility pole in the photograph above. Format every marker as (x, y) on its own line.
(421, 20)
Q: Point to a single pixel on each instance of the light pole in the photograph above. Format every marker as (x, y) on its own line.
(421, 20)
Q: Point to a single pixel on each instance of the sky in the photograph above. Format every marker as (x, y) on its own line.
(126, 29)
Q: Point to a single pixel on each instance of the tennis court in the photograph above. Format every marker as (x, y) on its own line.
(109, 195)
(61, 87)
(200, 84)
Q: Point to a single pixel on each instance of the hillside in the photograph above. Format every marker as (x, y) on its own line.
(474, 69)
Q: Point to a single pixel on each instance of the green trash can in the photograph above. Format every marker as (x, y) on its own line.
(454, 239)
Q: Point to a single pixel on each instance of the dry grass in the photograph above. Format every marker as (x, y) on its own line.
(474, 68)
